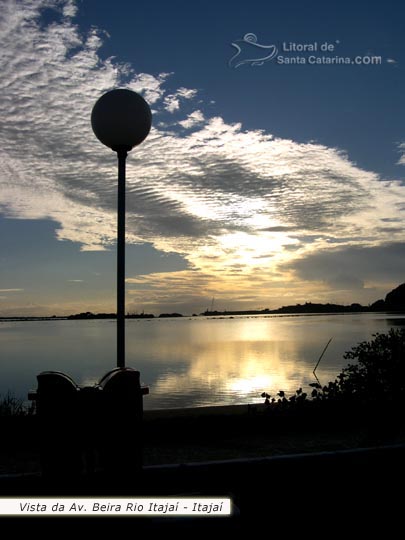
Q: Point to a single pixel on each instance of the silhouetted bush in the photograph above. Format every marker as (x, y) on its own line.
(378, 375)
(12, 406)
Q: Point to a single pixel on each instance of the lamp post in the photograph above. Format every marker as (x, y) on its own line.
(121, 119)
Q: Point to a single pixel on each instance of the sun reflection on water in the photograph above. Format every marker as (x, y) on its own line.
(189, 362)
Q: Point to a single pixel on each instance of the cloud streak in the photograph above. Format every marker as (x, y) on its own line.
(10, 290)
(237, 204)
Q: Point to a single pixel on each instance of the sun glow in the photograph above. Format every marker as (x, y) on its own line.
(254, 249)
(256, 383)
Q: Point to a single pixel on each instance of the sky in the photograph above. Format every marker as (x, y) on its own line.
(273, 174)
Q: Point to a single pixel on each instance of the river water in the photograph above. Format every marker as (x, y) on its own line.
(190, 362)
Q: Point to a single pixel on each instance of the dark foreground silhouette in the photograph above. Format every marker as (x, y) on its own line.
(267, 491)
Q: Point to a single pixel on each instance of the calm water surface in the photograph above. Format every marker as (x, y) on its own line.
(190, 362)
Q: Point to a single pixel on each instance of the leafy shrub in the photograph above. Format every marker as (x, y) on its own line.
(282, 400)
(377, 375)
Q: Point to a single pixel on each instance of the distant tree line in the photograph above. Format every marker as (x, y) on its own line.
(90, 315)
(394, 301)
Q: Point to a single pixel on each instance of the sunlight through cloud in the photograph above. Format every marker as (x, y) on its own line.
(243, 207)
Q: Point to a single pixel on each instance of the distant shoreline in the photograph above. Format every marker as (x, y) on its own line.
(214, 315)
(394, 303)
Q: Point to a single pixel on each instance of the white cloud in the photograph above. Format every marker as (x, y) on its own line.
(186, 93)
(149, 86)
(236, 203)
(172, 103)
(10, 290)
(401, 147)
(193, 119)
(70, 8)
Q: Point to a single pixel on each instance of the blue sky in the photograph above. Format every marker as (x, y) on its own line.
(259, 185)
(338, 107)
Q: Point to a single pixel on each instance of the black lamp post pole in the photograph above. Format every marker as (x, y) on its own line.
(121, 119)
(122, 156)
